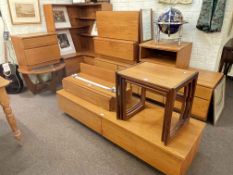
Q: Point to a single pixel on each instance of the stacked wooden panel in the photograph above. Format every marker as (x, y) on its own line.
(118, 37)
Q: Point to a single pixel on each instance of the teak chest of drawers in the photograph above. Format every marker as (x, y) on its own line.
(34, 50)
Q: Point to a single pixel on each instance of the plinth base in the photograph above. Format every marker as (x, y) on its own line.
(140, 135)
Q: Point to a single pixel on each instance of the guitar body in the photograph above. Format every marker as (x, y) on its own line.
(16, 83)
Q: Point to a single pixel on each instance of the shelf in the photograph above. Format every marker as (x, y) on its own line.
(165, 45)
(86, 18)
(161, 60)
(80, 53)
(80, 4)
(77, 27)
(87, 35)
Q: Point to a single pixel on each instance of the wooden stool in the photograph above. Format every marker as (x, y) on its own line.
(36, 88)
(5, 103)
(227, 57)
(162, 80)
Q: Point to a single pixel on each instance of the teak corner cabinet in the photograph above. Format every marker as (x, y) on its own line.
(82, 16)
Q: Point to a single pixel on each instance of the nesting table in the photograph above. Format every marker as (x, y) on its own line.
(173, 83)
(4, 101)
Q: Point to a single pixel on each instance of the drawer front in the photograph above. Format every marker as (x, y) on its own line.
(116, 48)
(42, 55)
(200, 108)
(203, 92)
(29, 43)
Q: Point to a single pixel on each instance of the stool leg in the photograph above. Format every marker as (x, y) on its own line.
(9, 114)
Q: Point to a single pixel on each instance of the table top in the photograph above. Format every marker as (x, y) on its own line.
(163, 76)
(3, 82)
(207, 78)
(165, 45)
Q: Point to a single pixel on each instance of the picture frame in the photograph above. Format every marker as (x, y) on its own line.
(94, 31)
(146, 25)
(65, 42)
(61, 18)
(24, 12)
(78, 1)
(219, 100)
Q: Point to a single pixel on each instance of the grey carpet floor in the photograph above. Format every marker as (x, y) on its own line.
(55, 144)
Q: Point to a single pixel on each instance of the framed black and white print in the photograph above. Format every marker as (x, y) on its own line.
(65, 42)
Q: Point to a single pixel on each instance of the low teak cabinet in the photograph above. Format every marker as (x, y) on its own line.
(34, 50)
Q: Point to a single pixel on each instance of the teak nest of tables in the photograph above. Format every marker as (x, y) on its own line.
(158, 79)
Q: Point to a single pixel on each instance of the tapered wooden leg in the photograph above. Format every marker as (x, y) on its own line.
(9, 114)
(168, 116)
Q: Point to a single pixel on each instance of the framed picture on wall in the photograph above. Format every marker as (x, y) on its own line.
(61, 17)
(65, 42)
(24, 11)
(146, 18)
(78, 1)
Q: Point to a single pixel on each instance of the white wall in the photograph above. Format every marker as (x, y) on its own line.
(206, 47)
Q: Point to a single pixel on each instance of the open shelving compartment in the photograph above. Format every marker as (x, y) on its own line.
(82, 16)
(165, 53)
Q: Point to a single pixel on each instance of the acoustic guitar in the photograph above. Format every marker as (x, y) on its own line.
(10, 72)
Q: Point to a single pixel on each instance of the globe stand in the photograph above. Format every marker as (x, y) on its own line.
(180, 34)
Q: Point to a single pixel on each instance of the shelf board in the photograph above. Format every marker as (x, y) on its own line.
(162, 60)
(87, 35)
(77, 27)
(80, 4)
(80, 53)
(165, 45)
(86, 18)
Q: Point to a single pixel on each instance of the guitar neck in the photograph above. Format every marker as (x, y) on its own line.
(5, 52)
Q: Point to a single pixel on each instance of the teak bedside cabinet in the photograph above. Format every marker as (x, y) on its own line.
(166, 53)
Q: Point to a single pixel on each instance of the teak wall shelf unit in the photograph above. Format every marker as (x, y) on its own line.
(82, 17)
